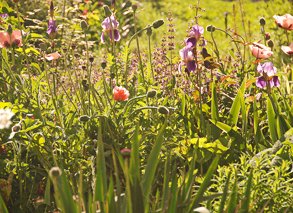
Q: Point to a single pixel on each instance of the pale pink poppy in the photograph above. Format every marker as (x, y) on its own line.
(8, 40)
(285, 21)
(52, 56)
(288, 49)
(260, 51)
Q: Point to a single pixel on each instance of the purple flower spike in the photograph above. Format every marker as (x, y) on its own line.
(110, 25)
(52, 27)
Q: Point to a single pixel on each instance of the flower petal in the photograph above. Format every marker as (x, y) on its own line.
(261, 82)
(52, 56)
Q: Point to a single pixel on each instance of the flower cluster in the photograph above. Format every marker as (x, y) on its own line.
(110, 28)
(187, 53)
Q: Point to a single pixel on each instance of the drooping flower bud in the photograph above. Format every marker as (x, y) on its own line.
(158, 23)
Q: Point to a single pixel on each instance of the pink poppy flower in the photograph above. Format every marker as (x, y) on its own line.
(52, 56)
(285, 21)
(288, 49)
(7, 40)
(120, 94)
(260, 51)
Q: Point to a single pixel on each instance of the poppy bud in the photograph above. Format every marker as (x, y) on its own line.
(267, 36)
(270, 44)
(134, 7)
(211, 28)
(151, 93)
(16, 128)
(104, 64)
(163, 110)
(83, 25)
(262, 21)
(9, 30)
(84, 118)
(125, 152)
(107, 10)
(158, 23)
(149, 31)
(55, 172)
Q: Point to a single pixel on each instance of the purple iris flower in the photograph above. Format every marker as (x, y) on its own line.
(187, 59)
(268, 72)
(194, 35)
(52, 27)
(110, 25)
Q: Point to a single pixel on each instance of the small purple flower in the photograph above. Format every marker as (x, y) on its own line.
(187, 59)
(110, 25)
(268, 72)
(52, 27)
(4, 15)
(194, 35)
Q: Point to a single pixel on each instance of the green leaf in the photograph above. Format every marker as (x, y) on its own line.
(152, 163)
(271, 120)
(101, 182)
(205, 184)
(47, 198)
(225, 193)
(63, 194)
(134, 156)
(246, 200)
(214, 107)
(233, 197)
(235, 109)
(3, 208)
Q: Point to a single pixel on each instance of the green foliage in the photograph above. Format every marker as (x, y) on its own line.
(168, 141)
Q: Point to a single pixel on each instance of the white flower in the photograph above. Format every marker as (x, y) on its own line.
(5, 118)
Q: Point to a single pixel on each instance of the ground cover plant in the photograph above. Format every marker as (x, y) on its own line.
(152, 106)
